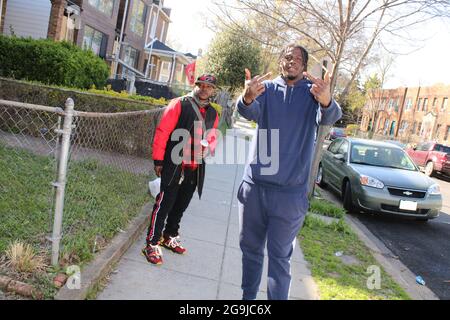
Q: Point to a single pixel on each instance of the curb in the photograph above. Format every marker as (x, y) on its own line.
(101, 265)
(404, 277)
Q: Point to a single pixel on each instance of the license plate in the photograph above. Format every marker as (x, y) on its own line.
(408, 205)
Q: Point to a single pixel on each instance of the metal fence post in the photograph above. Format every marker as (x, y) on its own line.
(61, 183)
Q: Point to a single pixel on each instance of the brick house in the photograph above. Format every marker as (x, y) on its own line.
(97, 25)
(409, 114)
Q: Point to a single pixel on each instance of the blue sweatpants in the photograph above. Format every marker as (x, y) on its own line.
(275, 217)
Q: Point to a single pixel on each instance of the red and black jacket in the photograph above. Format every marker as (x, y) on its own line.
(180, 114)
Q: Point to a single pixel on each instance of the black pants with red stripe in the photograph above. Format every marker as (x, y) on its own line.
(170, 204)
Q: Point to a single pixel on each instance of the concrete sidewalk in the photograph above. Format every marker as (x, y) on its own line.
(211, 268)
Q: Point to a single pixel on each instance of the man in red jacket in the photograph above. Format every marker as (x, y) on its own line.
(179, 162)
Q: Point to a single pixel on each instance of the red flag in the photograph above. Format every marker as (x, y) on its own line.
(190, 72)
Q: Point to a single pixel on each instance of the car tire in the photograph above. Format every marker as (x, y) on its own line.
(347, 198)
(429, 168)
(319, 177)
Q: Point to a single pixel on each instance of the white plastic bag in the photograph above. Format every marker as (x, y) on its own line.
(154, 186)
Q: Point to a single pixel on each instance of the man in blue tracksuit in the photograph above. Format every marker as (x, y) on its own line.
(273, 203)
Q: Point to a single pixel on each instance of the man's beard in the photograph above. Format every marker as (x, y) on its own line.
(291, 77)
(199, 100)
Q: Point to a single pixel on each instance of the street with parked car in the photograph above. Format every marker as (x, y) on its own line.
(379, 184)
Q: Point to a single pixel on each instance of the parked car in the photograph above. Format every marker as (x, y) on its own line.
(376, 176)
(431, 157)
(336, 133)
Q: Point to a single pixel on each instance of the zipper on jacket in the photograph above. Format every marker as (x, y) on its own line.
(290, 96)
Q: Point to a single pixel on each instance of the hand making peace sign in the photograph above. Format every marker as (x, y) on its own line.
(320, 88)
(253, 87)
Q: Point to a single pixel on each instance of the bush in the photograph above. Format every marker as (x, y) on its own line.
(51, 62)
(125, 95)
(92, 100)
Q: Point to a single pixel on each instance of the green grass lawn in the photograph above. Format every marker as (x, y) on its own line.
(326, 208)
(100, 201)
(336, 280)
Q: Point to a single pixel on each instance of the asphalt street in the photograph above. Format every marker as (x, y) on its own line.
(424, 247)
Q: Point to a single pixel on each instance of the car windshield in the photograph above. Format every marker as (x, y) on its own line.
(441, 148)
(338, 130)
(381, 156)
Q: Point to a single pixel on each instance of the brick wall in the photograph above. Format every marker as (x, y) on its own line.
(411, 113)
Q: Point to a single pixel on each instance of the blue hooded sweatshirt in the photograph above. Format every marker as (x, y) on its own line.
(296, 114)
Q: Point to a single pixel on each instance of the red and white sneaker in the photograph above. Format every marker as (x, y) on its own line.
(153, 254)
(173, 243)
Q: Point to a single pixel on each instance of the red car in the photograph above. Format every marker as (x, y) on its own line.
(336, 133)
(431, 157)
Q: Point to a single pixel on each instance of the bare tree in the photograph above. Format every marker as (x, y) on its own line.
(374, 88)
(346, 31)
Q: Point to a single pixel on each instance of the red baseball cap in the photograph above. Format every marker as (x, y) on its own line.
(208, 79)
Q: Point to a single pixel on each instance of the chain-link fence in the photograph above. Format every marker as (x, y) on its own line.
(28, 149)
(101, 172)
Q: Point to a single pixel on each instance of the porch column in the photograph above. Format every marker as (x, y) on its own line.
(174, 61)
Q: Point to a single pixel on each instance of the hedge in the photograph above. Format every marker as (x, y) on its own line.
(50, 62)
(85, 100)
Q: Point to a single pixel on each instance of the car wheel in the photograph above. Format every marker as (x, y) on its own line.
(319, 178)
(347, 198)
(429, 168)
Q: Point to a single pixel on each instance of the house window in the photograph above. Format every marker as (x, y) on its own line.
(444, 104)
(418, 104)
(95, 41)
(138, 16)
(396, 104)
(105, 6)
(447, 133)
(154, 23)
(165, 71)
(402, 126)
(408, 104)
(161, 36)
(434, 102)
(382, 103)
(425, 103)
(419, 127)
(391, 103)
(438, 130)
(131, 56)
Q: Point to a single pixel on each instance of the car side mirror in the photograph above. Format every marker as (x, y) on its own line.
(339, 157)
